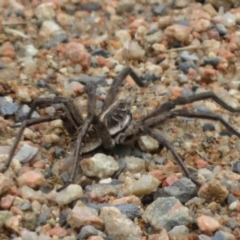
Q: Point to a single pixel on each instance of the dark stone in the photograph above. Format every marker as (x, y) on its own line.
(186, 56)
(98, 206)
(185, 66)
(60, 38)
(147, 199)
(183, 22)
(200, 108)
(90, 6)
(236, 167)
(48, 172)
(2, 65)
(47, 145)
(183, 189)
(23, 112)
(100, 52)
(208, 127)
(130, 210)
(45, 189)
(159, 160)
(41, 83)
(231, 198)
(213, 61)
(194, 88)
(221, 29)
(86, 232)
(225, 133)
(186, 92)
(137, 153)
(232, 223)
(26, 206)
(159, 10)
(220, 235)
(43, 219)
(7, 108)
(58, 152)
(64, 177)
(147, 77)
(63, 217)
(122, 166)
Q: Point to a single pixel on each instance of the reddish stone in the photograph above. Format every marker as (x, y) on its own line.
(158, 174)
(57, 231)
(226, 54)
(170, 181)
(6, 202)
(207, 224)
(31, 178)
(200, 163)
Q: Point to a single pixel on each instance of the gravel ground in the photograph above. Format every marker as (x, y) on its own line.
(53, 48)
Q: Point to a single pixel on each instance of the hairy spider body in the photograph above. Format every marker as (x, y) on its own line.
(114, 125)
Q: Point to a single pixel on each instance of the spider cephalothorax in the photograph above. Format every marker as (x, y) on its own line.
(114, 125)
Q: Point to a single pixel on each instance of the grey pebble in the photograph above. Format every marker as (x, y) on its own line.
(23, 111)
(26, 206)
(185, 66)
(26, 153)
(62, 37)
(159, 10)
(130, 210)
(42, 219)
(186, 56)
(7, 108)
(221, 235)
(236, 167)
(183, 189)
(87, 231)
(213, 61)
(169, 219)
(221, 29)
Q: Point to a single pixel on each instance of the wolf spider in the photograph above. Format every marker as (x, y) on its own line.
(114, 125)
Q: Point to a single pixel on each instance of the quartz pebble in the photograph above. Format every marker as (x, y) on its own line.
(118, 226)
(99, 165)
(69, 194)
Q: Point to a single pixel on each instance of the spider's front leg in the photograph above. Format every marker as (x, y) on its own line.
(112, 93)
(28, 123)
(91, 92)
(71, 109)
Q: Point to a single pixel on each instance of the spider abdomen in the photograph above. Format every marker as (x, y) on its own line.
(117, 117)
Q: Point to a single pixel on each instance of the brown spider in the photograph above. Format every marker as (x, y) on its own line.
(114, 125)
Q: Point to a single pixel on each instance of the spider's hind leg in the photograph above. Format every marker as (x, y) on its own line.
(164, 142)
(167, 106)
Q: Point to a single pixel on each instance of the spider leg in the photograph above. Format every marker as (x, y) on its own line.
(91, 91)
(112, 93)
(71, 110)
(210, 116)
(162, 140)
(192, 98)
(27, 123)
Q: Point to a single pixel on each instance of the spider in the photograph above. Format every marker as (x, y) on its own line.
(114, 125)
